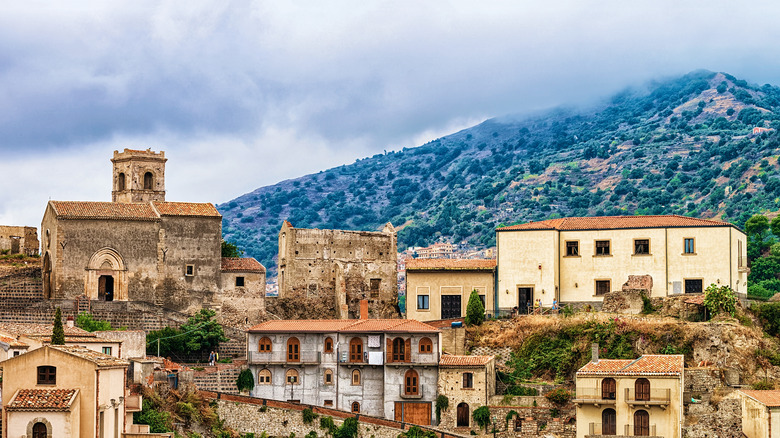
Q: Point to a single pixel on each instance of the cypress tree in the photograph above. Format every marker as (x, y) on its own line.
(58, 333)
(475, 311)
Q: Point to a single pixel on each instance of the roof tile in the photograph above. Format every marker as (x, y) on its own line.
(649, 364)
(449, 360)
(616, 222)
(186, 209)
(245, 264)
(103, 210)
(450, 264)
(343, 325)
(42, 399)
(100, 359)
(769, 398)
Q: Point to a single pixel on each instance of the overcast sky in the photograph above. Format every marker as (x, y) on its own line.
(245, 94)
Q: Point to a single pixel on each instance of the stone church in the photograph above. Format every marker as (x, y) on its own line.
(139, 247)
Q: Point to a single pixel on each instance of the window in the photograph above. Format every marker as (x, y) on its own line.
(16, 353)
(641, 246)
(148, 181)
(641, 423)
(47, 375)
(642, 389)
(693, 286)
(518, 423)
(374, 284)
(482, 298)
(120, 183)
(426, 346)
(410, 383)
(328, 345)
(355, 407)
(264, 345)
(39, 430)
(264, 377)
(356, 350)
(608, 389)
(608, 422)
(239, 281)
(328, 377)
(293, 350)
(107, 350)
(602, 248)
(602, 287)
(292, 377)
(189, 270)
(355, 377)
(572, 248)
(399, 350)
(688, 246)
(468, 380)
(328, 403)
(422, 302)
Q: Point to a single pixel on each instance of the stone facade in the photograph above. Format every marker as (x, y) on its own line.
(340, 265)
(468, 382)
(18, 240)
(138, 176)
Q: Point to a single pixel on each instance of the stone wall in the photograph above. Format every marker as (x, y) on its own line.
(700, 383)
(219, 378)
(706, 420)
(19, 240)
(21, 288)
(502, 354)
(534, 422)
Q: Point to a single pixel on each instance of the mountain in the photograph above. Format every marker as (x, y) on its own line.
(679, 146)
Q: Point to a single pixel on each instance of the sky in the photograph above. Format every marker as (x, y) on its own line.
(245, 94)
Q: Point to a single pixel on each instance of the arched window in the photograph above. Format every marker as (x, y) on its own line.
(608, 389)
(291, 377)
(355, 407)
(328, 377)
(463, 415)
(608, 422)
(356, 377)
(411, 386)
(264, 345)
(329, 345)
(264, 377)
(642, 389)
(39, 430)
(47, 375)
(120, 182)
(148, 181)
(356, 350)
(399, 350)
(293, 350)
(641, 423)
(426, 346)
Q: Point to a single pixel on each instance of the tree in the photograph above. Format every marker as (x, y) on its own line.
(720, 299)
(481, 416)
(245, 380)
(86, 322)
(231, 250)
(475, 311)
(203, 332)
(58, 333)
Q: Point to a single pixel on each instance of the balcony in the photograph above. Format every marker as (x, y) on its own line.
(593, 396)
(419, 394)
(280, 357)
(658, 397)
(597, 430)
(742, 264)
(133, 403)
(431, 359)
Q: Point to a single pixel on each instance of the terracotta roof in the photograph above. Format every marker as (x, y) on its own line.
(770, 398)
(449, 360)
(12, 341)
(76, 339)
(616, 223)
(342, 325)
(103, 210)
(19, 328)
(649, 364)
(100, 359)
(42, 399)
(186, 209)
(451, 264)
(245, 264)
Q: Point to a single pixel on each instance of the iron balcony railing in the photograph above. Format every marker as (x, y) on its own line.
(591, 395)
(659, 397)
(630, 430)
(280, 357)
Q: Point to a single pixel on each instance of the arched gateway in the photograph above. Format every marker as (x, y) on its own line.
(106, 276)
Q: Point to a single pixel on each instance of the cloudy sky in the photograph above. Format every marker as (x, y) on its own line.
(245, 94)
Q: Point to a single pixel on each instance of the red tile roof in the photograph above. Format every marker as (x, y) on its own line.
(103, 210)
(649, 364)
(12, 341)
(198, 209)
(343, 326)
(99, 359)
(451, 264)
(19, 328)
(616, 223)
(770, 398)
(245, 264)
(42, 400)
(449, 360)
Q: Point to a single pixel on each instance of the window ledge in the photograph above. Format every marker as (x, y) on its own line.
(641, 255)
(688, 254)
(602, 255)
(571, 256)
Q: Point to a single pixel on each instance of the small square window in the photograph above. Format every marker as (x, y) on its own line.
(328, 403)
(693, 286)
(602, 247)
(688, 246)
(239, 281)
(602, 287)
(107, 350)
(641, 246)
(422, 302)
(189, 270)
(572, 248)
(47, 375)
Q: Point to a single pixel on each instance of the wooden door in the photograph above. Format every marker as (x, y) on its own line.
(525, 299)
(642, 389)
(608, 391)
(450, 306)
(417, 413)
(608, 422)
(463, 415)
(641, 423)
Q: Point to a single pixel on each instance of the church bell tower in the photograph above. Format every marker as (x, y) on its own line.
(139, 176)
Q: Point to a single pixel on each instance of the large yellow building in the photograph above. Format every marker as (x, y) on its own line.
(580, 259)
(631, 397)
(760, 413)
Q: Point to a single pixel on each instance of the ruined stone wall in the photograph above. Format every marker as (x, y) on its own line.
(242, 305)
(21, 288)
(19, 240)
(722, 420)
(220, 378)
(534, 422)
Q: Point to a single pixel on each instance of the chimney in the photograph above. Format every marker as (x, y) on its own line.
(594, 352)
(69, 322)
(363, 309)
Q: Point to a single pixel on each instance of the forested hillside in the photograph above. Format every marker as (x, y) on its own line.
(682, 146)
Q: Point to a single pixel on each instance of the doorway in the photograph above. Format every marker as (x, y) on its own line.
(463, 415)
(525, 299)
(450, 306)
(106, 288)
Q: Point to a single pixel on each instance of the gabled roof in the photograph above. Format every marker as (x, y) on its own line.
(12, 341)
(35, 330)
(42, 400)
(138, 211)
(450, 264)
(192, 209)
(99, 359)
(343, 326)
(769, 398)
(646, 365)
(453, 361)
(244, 264)
(616, 223)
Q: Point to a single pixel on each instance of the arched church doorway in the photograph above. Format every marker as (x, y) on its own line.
(106, 288)
(106, 276)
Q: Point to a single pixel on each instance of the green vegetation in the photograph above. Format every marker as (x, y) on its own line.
(720, 300)
(481, 416)
(246, 381)
(58, 332)
(230, 250)
(309, 416)
(200, 334)
(475, 311)
(86, 322)
(417, 432)
(442, 403)
(558, 396)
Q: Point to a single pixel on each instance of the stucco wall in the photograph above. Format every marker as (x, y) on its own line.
(449, 282)
(133, 341)
(526, 259)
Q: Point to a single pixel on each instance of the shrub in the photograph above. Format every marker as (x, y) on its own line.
(769, 315)
(475, 311)
(159, 421)
(509, 415)
(442, 403)
(481, 416)
(245, 380)
(327, 424)
(86, 322)
(309, 416)
(647, 305)
(417, 432)
(558, 396)
(763, 385)
(348, 429)
(311, 434)
(521, 390)
(719, 300)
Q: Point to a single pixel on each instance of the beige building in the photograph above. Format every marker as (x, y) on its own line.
(580, 259)
(760, 413)
(348, 266)
(436, 251)
(61, 391)
(18, 240)
(440, 288)
(468, 382)
(142, 248)
(633, 397)
(23, 337)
